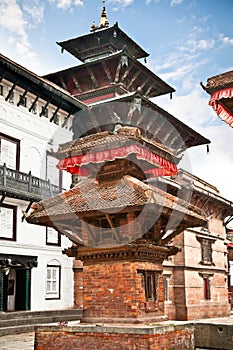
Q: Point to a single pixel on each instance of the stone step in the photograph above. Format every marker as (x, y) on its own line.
(26, 322)
(31, 314)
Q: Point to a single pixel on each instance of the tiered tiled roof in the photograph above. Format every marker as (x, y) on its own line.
(220, 87)
(90, 199)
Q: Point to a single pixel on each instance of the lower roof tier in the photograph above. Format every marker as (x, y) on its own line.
(116, 213)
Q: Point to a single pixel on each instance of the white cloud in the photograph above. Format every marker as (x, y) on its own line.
(11, 18)
(202, 44)
(66, 4)
(121, 3)
(217, 167)
(193, 110)
(15, 22)
(34, 10)
(176, 2)
(225, 39)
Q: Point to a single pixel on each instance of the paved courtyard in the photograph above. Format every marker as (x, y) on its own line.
(24, 341)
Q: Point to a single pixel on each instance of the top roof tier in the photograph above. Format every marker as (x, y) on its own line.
(102, 42)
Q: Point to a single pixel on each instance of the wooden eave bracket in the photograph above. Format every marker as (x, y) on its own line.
(26, 211)
(11, 91)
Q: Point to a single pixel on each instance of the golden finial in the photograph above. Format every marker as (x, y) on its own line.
(104, 17)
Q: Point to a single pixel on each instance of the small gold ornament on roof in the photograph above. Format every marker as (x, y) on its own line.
(103, 23)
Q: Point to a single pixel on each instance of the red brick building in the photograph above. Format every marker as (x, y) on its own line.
(196, 278)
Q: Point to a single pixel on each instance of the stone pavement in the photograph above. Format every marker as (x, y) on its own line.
(24, 341)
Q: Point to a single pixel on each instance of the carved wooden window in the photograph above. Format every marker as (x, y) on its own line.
(53, 276)
(9, 151)
(206, 251)
(150, 284)
(8, 217)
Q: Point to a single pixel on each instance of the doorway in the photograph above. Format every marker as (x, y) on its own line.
(15, 293)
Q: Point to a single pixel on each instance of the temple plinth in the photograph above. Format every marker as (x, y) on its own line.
(124, 284)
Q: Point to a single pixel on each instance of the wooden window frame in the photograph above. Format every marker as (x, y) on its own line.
(58, 244)
(206, 250)
(49, 295)
(15, 141)
(150, 284)
(14, 223)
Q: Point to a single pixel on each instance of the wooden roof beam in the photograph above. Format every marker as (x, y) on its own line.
(117, 74)
(147, 93)
(146, 82)
(114, 229)
(93, 78)
(157, 129)
(90, 231)
(64, 85)
(107, 71)
(178, 142)
(136, 75)
(76, 84)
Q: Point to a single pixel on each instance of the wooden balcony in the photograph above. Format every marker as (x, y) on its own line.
(16, 184)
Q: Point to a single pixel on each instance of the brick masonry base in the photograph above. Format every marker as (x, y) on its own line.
(92, 337)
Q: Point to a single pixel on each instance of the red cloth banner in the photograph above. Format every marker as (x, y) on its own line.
(215, 102)
(76, 164)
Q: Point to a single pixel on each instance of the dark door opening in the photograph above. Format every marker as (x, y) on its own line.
(23, 289)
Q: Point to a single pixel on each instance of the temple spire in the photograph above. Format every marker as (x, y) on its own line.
(104, 17)
(103, 23)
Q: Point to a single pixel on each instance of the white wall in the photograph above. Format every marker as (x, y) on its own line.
(35, 134)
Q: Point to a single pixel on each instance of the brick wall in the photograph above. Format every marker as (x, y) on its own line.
(187, 270)
(114, 292)
(78, 284)
(115, 338)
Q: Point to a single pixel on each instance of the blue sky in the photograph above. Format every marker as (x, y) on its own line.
(188, 41)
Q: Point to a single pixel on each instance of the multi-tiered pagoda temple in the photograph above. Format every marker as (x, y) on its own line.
(119, 220)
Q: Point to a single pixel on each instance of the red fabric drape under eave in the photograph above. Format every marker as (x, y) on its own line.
(76, 164)
(215, 102)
